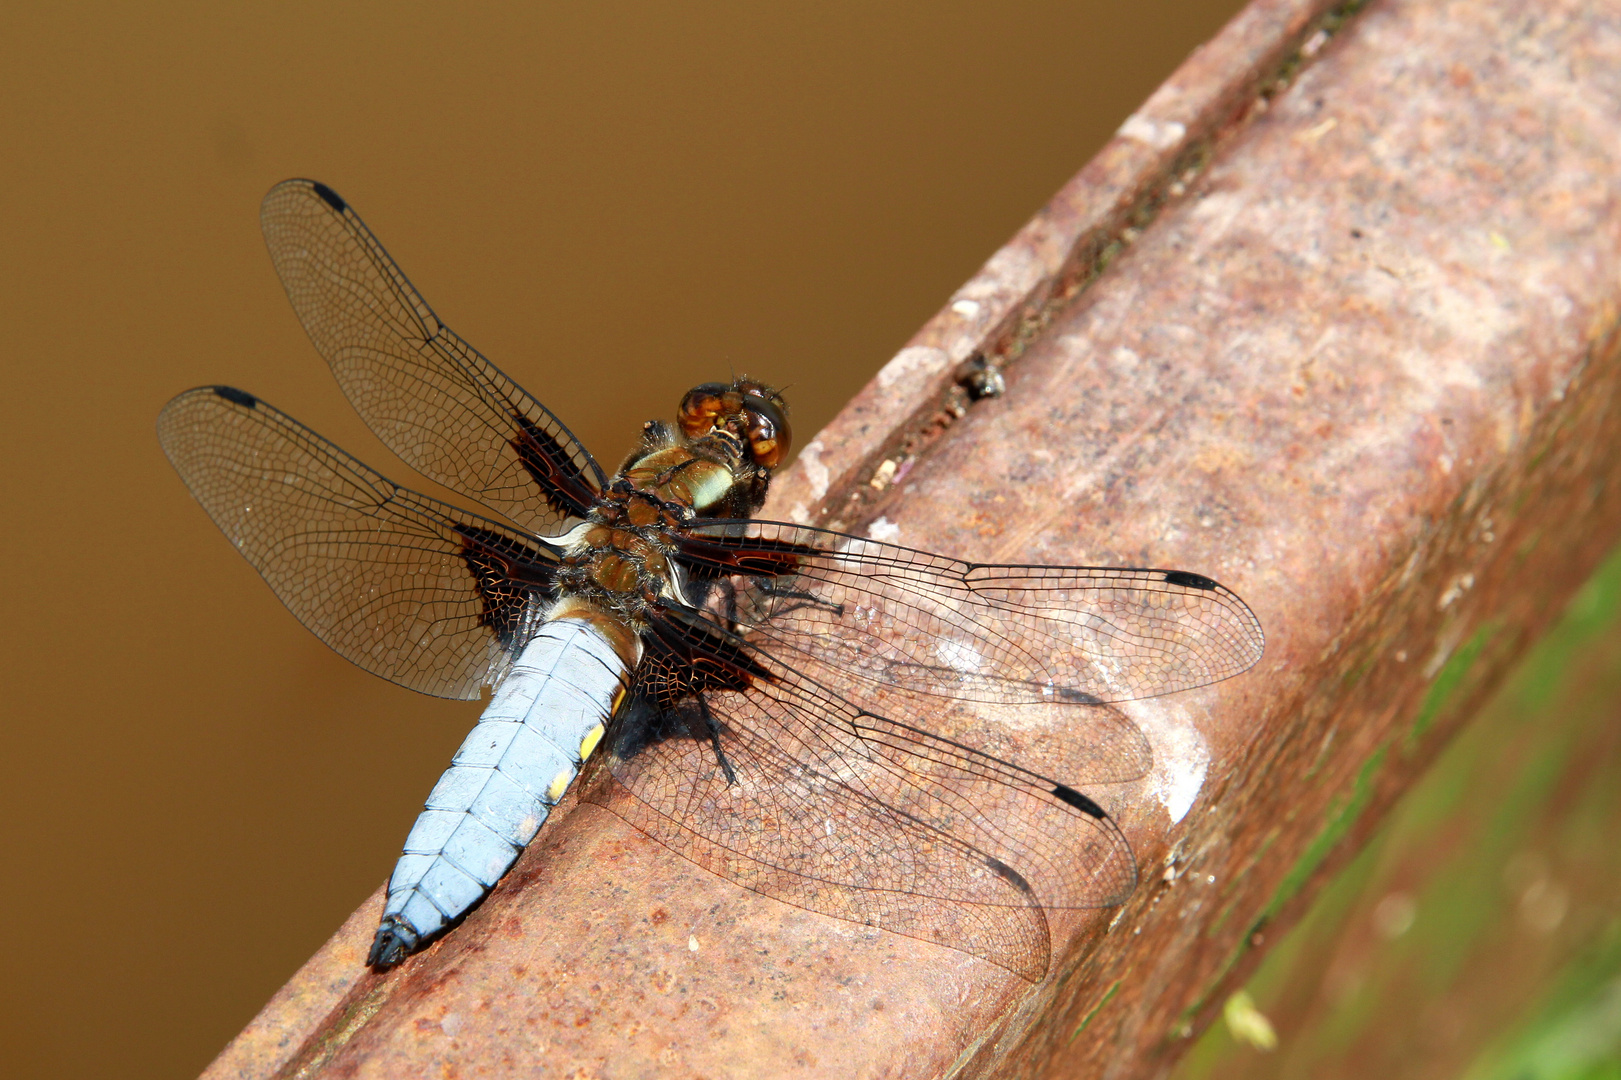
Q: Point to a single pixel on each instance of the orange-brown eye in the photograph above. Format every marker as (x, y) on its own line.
(769, 435)
(700, 408)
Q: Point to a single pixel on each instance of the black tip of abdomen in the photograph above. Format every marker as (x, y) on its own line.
(395, 941)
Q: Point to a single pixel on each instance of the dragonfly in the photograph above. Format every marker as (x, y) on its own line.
(879, 734)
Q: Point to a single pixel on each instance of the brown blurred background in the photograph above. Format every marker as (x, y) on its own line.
(612, 206)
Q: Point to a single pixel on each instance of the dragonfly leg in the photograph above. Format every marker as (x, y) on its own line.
(713, 727)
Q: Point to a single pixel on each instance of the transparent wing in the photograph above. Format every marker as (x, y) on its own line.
(927, 624)
(406, 587)
(865, 815)
(430, 397)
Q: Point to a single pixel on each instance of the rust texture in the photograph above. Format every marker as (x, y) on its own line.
(1157, 151)
(1361, 366)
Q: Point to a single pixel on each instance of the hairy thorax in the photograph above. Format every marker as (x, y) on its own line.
(620, 560)
(714, 462)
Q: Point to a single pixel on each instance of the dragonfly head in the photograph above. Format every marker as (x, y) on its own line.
(748, 411)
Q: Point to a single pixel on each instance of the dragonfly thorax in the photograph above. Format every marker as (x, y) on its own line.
(682, 477)
(620, 562)
(715, 461)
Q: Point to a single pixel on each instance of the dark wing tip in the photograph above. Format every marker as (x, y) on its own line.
(1077, 697)
(1189, 581)
(328, 196)
(236, 397)
(1008, 874)
(1080, 802)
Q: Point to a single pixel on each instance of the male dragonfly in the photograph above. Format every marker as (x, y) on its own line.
(800, 711)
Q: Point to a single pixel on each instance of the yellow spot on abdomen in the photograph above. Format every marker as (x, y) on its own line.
(559, 786)
(589, 743)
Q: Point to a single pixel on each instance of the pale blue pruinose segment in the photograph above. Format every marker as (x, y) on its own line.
(514, 765)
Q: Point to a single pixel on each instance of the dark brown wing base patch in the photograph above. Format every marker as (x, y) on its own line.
(548, 463)
(514, 580)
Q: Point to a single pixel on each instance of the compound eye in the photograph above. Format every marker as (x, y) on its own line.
(768, 432)
(700, 408)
